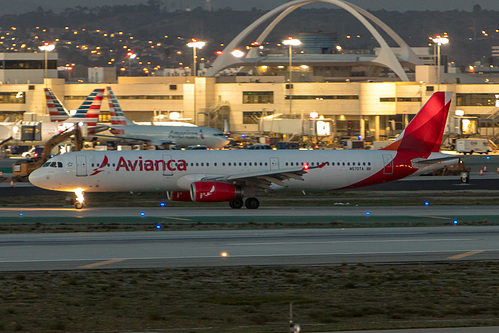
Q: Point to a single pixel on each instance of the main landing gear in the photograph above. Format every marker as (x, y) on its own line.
(250, 203)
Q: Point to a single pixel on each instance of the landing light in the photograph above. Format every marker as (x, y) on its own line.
(224, 254)
(79, 195)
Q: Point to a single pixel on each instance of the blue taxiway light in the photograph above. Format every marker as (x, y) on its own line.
(426, 203)
(162, 204)
(368, 213)
(158, 226)
(455, 222)
(142, 214)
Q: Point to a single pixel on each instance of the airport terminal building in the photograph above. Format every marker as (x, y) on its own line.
(264, 94)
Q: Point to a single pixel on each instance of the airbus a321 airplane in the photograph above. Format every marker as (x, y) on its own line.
(234, 175)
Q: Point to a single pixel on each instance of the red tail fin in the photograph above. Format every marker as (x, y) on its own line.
(424, 133)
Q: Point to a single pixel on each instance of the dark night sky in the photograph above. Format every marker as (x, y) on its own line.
(20, 6)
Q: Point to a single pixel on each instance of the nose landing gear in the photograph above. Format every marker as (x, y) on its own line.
(79, 199)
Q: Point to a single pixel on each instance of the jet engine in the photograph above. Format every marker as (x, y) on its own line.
(215, 192)
(178, 195)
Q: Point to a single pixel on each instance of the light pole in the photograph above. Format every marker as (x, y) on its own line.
(439, 41)
(130, 56)
(195, 44)
(46, 47)
(291, 42)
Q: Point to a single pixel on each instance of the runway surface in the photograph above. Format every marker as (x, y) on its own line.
(79, 251)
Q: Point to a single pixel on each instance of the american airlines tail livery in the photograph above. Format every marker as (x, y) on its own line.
(238, 176)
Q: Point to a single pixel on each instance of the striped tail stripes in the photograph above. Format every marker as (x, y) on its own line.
(117, 114)
(56, 111)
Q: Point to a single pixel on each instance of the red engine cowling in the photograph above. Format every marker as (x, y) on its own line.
(178, 195)
(214, 192)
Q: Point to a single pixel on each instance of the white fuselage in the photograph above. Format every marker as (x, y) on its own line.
(115, 171)
(180, 135)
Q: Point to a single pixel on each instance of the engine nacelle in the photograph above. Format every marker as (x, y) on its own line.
(215, 192)
(178, 195)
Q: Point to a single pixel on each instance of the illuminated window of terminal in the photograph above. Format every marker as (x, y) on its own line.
(104, 117)
(400, 99)
(149, 97)
(476, 99)
(27, 64)
(258, 97)
(323, 97)
(12, 97)
(252, 117)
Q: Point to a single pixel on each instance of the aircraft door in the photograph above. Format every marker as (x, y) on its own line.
(167, 171)
(388, 163)
(274, 164)
(81, 165)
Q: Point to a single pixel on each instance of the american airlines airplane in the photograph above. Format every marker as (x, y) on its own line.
(41, 132)
(237, 176)
(184, 136)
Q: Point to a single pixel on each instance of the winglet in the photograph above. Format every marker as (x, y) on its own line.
(424, 133)
(56, 111)
(117, 114)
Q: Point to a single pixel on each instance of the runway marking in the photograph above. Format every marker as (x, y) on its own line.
(102, 263)
(177, 218)
(435, 217)
(349, 242)
(466, 254)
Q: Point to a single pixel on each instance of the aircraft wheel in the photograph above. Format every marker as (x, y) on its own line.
(252, 203)
(79, 205)
(236, 203)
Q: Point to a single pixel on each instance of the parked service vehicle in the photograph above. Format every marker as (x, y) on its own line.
(34, 152)
(470, 146)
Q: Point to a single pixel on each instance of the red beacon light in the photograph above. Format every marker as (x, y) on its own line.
(306, 167)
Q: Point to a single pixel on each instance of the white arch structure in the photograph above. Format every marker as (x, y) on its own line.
(386, 56)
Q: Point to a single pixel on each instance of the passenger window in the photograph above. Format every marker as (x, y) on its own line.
(286, 163)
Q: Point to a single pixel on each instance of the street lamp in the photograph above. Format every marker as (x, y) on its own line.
(291, 42)
(195, 44)
(46, 47)
(130, 56)
(439, 41)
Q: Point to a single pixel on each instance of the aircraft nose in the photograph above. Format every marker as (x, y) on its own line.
(38, 178)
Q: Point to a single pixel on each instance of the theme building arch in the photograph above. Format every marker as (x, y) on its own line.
(386, 56)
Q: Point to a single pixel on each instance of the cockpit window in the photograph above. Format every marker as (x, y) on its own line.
(59, 164)
(53, 165)
(46, 164)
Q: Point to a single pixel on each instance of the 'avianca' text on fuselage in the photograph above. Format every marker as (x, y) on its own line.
(150, 165)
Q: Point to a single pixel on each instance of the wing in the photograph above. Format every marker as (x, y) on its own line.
(153, 142)
(263, 180)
